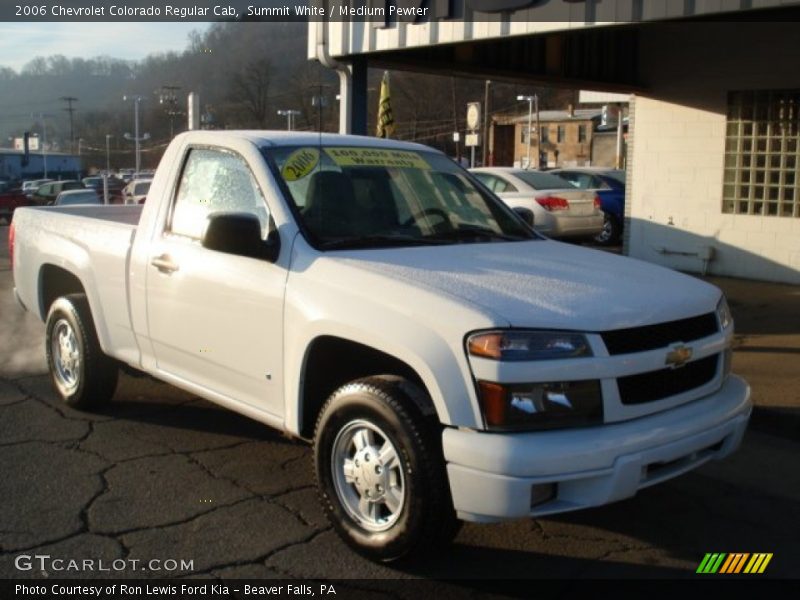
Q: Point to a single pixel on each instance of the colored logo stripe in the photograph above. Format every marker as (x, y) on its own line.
(722, 563)
(734, 563)
(711, 563)
(758, 563)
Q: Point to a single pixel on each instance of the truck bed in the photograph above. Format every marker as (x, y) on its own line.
(124, 214)
(91, 242)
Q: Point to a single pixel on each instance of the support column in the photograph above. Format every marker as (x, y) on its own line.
(358, 115)
(353, 98)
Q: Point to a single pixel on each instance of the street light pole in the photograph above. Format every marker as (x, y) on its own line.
(532, 100)
(136, 138)
(529, 100)
(289, 114)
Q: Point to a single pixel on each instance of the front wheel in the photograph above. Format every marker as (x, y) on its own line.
(82, 375)
(380, 470)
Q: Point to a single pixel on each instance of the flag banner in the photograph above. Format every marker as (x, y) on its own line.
(385, 114)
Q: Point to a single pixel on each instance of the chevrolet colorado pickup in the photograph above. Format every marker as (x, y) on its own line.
(371, 296)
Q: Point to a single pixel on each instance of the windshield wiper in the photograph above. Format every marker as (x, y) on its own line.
(379, 241)
(476, 231)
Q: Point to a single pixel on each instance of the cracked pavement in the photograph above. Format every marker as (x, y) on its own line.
(160, 474)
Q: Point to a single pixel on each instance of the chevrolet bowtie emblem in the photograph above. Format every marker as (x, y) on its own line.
(678, 356)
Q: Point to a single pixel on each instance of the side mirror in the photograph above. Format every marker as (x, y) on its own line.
(239, 233)
(526, 214)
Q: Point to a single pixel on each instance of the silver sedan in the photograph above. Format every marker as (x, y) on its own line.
(559, 210)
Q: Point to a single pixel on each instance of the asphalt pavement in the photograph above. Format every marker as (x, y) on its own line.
(162, 475)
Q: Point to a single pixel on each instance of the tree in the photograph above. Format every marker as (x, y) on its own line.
(250, 87)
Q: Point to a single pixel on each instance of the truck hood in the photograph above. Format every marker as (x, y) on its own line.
(546, 284)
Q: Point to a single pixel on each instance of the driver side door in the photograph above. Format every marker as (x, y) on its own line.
(216, 319)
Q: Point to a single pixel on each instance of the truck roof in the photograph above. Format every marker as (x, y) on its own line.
(278, 138)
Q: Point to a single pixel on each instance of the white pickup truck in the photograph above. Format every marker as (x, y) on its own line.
(447, 361)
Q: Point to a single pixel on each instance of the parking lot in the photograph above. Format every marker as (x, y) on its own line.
(162, 475)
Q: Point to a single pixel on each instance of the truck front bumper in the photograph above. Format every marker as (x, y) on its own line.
(495, 476)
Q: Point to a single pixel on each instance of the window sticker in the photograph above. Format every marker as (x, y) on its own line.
(376, 157)
(300, 163)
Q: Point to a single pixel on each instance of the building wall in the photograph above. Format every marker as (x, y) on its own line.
(676, 159)
(59, 166)
(571, 152)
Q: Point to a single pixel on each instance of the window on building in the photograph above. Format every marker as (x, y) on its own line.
(561, 134)
(581, 134)
(545, 133)
(762, 154)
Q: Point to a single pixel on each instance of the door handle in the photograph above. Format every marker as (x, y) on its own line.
(164, 264)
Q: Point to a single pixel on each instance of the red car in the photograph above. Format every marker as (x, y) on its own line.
(11, 200)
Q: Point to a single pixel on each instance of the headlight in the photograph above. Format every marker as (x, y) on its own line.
(526, 406)
(724, 314)
(521, 345)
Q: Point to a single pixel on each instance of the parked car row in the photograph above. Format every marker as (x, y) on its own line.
(566, 203)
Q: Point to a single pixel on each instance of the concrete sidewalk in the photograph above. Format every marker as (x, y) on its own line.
(767, 350)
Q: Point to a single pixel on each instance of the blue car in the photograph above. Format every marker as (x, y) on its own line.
(609, 184)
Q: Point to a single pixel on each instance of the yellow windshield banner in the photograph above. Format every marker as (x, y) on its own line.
(376, 157)
(300, 163)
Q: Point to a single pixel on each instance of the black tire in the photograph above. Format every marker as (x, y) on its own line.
(611, 232)
(426, 519)
(91, 381)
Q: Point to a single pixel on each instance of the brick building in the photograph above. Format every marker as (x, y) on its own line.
(566, 139)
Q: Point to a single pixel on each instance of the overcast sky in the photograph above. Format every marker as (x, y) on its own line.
(20, 42)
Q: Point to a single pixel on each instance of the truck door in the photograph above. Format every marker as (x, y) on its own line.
(215, 319)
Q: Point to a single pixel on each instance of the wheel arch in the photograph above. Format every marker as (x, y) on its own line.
(331, 361)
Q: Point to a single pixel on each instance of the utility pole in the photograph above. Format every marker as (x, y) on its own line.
(455, 119)
(135, 137)
(486, 122)
(69, 100)
(108, 153)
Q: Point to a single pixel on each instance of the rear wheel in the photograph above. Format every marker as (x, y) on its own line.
(380, 471)
(611, 232)
(82, 375)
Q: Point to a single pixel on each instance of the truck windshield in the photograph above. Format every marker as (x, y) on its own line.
(368, 197)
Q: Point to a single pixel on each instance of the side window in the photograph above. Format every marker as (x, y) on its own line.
(486, 180)
(502, 186)
(215, 181)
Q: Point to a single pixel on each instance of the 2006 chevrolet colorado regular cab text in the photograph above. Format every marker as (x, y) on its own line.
(448, 362)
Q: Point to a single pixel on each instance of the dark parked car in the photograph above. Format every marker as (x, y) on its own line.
(10, 200)
(115, 186)
(609, 184)
(47, 193)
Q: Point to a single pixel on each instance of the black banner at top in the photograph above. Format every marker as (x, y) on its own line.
(388, 11)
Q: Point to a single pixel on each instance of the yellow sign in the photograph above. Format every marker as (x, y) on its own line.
(300, 163)
(376, 157)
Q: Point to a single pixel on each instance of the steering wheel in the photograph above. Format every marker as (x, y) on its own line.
(436, 212)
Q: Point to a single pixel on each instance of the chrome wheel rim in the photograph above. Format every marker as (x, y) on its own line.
(605, 233)
(66, 355)
(368, 475)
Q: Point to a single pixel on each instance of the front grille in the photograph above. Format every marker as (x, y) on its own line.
(656, 385)
(651, 337)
